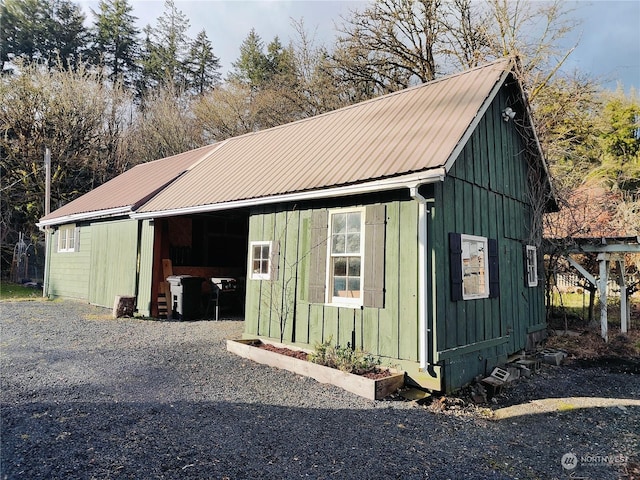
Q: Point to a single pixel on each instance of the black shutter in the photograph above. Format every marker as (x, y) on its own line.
(494, 269)
(374, 256)
(455, 264)
(318, 256)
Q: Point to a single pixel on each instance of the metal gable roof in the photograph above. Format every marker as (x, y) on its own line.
(125, 192)
(414, 130)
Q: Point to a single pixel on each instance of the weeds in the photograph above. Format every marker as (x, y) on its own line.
(344, 358)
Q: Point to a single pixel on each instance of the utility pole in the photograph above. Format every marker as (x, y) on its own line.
(47, 210)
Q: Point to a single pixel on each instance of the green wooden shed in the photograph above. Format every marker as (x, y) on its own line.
(406, 225)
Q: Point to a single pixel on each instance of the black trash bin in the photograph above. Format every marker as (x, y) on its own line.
(186, 297)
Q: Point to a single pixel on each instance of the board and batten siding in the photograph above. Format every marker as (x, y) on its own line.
(69, 271)
(113, 261)
(388, 328)
(145, 279)
(485, 194)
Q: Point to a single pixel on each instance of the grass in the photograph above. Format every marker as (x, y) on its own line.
(14, 291)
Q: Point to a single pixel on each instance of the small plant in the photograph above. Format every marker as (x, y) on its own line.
(344, 358)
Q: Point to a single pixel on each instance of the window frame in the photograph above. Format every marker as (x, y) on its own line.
(531, 265)
(351, 302)
(269, 275)
(67, 234)
(487, 288)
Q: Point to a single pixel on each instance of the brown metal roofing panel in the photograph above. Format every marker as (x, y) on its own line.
(414, 130)
(133, 186)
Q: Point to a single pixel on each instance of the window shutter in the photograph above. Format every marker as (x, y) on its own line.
(455, 264)
(374, 255)
(318, 256)
(77, 240)
(494, 269)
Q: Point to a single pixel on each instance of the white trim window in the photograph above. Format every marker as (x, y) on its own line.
(345, 259)
(67, 238)
(475, 267)
(261, 261)
(531, 253)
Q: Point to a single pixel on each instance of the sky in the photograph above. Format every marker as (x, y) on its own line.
(608, 36)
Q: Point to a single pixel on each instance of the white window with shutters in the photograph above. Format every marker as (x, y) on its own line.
(345, 257)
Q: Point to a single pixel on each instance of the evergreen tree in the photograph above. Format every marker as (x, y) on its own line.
(166, 49)
(252, 67)
(202, 67)
(42, 30)
(67, 34)
(115, 43)
(280, 63)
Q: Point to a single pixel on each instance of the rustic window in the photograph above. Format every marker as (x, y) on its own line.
(474, 267)
(345, 256)
(67, 238)
(531, 257)
(371, 236)
(261, 261)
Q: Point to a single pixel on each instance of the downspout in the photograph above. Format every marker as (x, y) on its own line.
(422, 274)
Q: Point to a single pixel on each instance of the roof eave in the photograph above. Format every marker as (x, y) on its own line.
(77, 217)
(393, 183)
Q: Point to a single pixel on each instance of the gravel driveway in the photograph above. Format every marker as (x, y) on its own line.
(86, 396)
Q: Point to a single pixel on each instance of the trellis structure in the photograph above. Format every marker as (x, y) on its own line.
(609, 250)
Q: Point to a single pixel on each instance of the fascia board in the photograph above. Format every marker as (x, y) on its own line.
(405, 181)
(76, 217)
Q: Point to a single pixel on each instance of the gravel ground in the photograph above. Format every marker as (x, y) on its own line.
(86, 396)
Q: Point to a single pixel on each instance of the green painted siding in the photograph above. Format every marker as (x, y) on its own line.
(113, 261)
(69, 271)
(145, 278)
(485, 194)
(390, 332)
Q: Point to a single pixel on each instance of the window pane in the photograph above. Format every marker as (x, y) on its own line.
(353, 222)
(354, 266)
(256, 266)
(264, 266)
(340, 266)
(474, 267)
(353, 243)
(266, 252)
(257, 252)
(354, 287)
(339, 222)
(338, 243)
(339, 286)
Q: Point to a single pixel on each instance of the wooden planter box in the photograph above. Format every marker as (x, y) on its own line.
(363, 386)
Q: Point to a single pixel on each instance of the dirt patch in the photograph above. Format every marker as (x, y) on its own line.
(375, 374)
(300, 355)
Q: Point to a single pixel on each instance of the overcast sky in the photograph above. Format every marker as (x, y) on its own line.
(609, 36)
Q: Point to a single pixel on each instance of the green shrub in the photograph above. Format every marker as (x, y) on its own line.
(346, 358)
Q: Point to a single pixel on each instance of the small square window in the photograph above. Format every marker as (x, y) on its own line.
(475, 267)
(67, 238)
(532, 265)
(261, 261)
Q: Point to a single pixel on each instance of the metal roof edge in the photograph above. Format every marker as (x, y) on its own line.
(508, 67)
(217, 146)
(112, 212)
(404, 181)
(473, 125)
